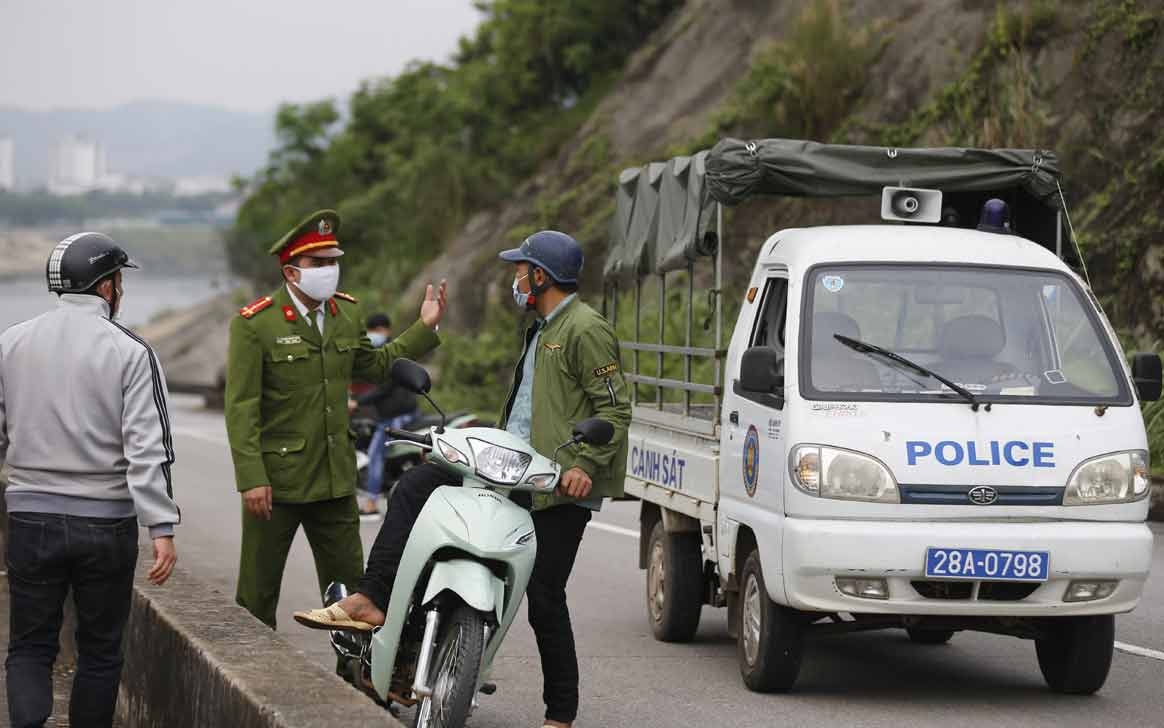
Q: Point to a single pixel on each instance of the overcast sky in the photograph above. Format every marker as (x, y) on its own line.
(238, 54)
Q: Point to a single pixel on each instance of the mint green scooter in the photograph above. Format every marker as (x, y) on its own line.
(464, 569)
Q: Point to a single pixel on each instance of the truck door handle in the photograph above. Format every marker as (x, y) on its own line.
(734, 417)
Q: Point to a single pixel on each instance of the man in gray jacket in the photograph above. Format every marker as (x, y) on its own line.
(85, 432)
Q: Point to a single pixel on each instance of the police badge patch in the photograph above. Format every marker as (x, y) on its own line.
(751, 461)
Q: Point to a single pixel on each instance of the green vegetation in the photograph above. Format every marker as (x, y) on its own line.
(804, 85)
(422, 151)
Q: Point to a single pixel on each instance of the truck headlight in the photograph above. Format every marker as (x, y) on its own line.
(829, 472)
(499, 464)
(1120, 477)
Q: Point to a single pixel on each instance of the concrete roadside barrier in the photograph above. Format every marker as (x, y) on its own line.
(194, 659)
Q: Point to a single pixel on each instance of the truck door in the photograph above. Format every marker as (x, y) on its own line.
(752, 447)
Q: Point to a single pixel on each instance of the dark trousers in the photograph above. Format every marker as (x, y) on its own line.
(47, 554)
(559, 533)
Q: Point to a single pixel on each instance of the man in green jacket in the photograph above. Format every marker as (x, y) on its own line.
(292, 356)
(568, 371)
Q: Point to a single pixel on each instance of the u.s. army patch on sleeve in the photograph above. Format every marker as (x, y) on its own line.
(607, 370)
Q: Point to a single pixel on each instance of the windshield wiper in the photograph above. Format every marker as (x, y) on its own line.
(874, 350)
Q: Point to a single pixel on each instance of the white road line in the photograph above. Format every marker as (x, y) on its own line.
(614, 529)
(1140, 651)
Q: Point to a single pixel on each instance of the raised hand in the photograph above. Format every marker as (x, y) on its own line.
(434, 305)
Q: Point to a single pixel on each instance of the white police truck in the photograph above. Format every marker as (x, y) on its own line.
(925, 424)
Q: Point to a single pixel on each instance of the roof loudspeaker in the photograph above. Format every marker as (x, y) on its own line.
(909, 204)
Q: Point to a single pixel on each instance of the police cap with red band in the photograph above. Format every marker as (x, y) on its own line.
(314, 236)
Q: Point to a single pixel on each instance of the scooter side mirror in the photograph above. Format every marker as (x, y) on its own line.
(593, 431)
(411, 376)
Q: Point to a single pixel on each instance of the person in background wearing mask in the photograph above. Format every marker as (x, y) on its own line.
(395, 407)
(292, 357)
(568, 371)
(85, 430)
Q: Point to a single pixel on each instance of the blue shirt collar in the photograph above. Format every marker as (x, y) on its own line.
(558, 309)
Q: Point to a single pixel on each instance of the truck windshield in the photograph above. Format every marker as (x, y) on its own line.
(1003, 334)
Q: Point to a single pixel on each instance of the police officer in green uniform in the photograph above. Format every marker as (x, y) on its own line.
(292, 356)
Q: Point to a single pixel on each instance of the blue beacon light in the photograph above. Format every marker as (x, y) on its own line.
(994, 217)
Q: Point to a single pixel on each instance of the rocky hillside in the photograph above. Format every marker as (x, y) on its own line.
(1081, 77)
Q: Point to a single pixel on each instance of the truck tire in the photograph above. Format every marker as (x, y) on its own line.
(929, 636)
(771, 641)
(674, 584)
(1075, 654)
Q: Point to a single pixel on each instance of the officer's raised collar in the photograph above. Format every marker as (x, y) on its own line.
(88, 302)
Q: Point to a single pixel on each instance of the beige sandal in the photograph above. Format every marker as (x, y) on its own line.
(332, 618)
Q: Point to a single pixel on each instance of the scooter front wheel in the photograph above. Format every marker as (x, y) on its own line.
(457, 660)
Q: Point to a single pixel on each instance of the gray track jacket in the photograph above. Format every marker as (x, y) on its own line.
(84, 424)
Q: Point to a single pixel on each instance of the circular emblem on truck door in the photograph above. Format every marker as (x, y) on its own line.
(751, 460)
(983, 495)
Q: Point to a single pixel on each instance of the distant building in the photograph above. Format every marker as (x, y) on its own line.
(7, 164)
(78, 165)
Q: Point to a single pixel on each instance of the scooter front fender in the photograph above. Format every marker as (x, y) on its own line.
(471, 581)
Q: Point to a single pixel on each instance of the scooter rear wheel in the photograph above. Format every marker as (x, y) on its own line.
(456, 662)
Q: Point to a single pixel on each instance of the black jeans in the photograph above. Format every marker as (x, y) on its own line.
(47, 555)
(559, 534)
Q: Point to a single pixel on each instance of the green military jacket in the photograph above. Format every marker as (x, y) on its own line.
(577, 375)
(287, 394)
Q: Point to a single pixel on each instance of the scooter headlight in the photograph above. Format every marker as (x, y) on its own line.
(828, 472)
(499, 464)
(1120, 477)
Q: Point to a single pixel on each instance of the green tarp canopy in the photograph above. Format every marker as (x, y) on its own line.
(664, 211)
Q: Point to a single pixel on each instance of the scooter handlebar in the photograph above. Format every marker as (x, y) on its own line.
(396, 434)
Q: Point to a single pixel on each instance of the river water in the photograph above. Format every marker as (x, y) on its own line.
(145, 296)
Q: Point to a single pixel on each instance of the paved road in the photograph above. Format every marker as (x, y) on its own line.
(872, 679)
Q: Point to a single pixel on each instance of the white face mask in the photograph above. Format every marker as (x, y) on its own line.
(318, 283)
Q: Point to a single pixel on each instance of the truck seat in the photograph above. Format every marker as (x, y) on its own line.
(969, 347)
(836, 367)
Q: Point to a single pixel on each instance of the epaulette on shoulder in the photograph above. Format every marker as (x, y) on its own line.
(346, 297)
(251, 309)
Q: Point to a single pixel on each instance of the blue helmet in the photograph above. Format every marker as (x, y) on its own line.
(558, 254)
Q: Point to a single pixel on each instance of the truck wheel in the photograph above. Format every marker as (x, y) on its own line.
(674, 584)
(1075, 655)
(771, 640)
(929, 636)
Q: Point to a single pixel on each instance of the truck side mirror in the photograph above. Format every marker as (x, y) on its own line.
(411, 376)
(762, 370)
(1146, 374)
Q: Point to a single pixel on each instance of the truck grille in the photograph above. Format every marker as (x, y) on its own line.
(959, 495)
(988, 591)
